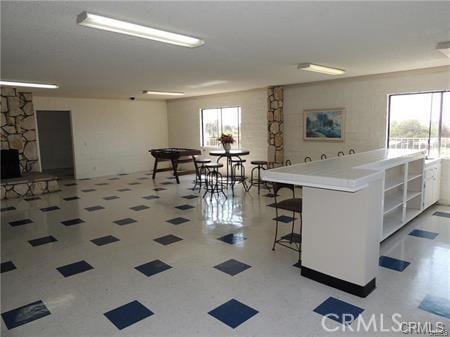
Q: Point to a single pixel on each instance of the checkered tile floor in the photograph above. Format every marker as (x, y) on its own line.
(124, 256)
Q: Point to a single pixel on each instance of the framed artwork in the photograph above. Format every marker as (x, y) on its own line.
(324, 124)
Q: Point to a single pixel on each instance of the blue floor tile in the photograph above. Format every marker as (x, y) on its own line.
(184, 207)
(124, 189)
(71, 198)
(152, 268)
(123, 174)
(72, 222)
(423, 234)
(339, 311)
(94, 208)
(442, 214)
(232, 267)
(167, 183)
(143, 178)
(42, 241)
(71, 184)
(6, 209)
(128, 314)
(101, 184)
(391, 263)
(135, 183)
(125, 221)
(178, 221)
(436, 305)
(112, 197)
(74, 268)
(168, 239)
(7, 266)
(104, 240)
(88, 190)
(232, 238)
(20, 222)
(190, 196)
(139, 208)
(284, 219)
(233, 313)
(159, 189)
(49, 209)
(150, 197)
(84, 179)
(25, 314)
(115, 178)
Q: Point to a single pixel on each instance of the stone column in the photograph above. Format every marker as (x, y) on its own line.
(275, 125)
(18, 127)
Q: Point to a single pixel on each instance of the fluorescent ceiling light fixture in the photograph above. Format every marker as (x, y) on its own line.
(207, 84)
(320, 69)
(163, 93)
(28, 85)
(123, 27)
(444, 48)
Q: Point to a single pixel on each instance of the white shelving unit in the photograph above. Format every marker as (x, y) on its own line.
(403, 195)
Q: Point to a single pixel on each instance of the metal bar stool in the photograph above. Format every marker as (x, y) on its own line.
(295, 206)
(323, 156)
(341, 153)
(260, 165)
(200, 172)
(238, 173)
(307, 159)
(214, 180)
(351, 151)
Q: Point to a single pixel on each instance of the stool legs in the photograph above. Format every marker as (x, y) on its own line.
(235, 177)
(214, 184)
(257, 181)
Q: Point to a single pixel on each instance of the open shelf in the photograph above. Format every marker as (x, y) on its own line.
(392, 222)
(392, 200)
(411, 213)
(393, 182)
(412, 176)
(411, 195)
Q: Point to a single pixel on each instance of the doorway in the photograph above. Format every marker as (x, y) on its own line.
(55, 142)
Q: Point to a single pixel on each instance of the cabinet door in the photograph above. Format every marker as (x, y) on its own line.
(436, 183)
(428, 190)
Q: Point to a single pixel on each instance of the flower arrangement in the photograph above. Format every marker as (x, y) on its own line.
(226, 138)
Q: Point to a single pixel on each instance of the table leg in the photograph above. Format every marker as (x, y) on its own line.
(155, 167)
(175, 169)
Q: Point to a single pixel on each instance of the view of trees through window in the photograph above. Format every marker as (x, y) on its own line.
(420, 121)
(218, 121)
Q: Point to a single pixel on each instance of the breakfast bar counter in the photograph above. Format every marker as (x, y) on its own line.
(350, 204)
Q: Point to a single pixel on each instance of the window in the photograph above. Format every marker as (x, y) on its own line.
(218, 121)
(420, 121)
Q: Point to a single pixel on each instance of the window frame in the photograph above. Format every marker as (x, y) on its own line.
(202, 134)
(441, 109)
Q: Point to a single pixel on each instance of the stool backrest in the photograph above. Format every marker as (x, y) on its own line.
(307, 159)
(341, 153)
(351, 151)
(287, 162)
(323, 156)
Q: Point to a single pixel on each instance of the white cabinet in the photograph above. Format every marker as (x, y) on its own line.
(432, 183)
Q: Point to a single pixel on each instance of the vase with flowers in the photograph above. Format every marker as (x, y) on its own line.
(226, 140)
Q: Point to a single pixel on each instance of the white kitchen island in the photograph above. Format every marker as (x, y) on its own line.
(350, 204)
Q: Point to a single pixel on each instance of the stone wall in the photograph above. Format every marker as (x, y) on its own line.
(275, 125)
(18, 127)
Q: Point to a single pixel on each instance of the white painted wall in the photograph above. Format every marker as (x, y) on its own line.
(112, 136)
(184, 120)
(55, 139)
(365, 100)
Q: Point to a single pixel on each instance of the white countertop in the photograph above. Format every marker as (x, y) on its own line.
(347, 173)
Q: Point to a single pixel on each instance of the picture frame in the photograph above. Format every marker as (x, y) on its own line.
(324, 124)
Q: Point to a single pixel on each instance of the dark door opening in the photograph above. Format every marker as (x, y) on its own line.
(55, 142)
